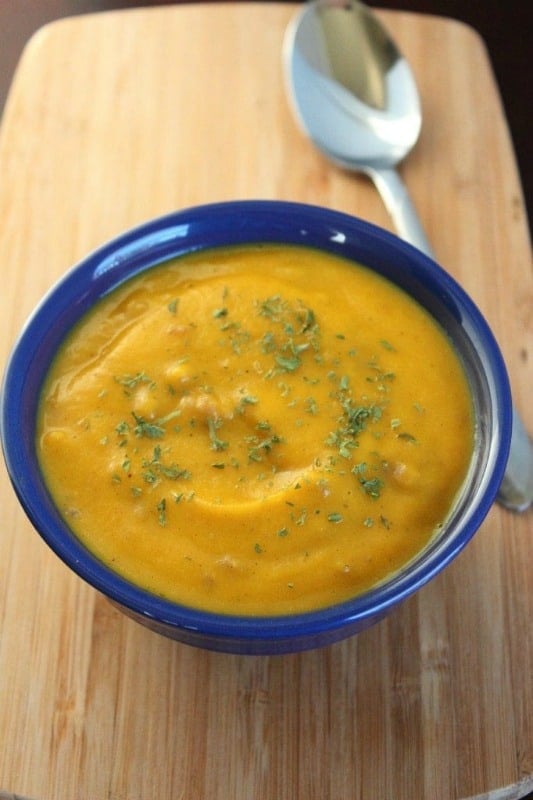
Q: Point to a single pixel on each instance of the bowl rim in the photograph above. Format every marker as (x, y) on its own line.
(185, 231)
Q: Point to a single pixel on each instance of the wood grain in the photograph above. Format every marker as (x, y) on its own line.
(118, 117)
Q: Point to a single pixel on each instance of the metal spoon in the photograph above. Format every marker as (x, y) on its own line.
(356, 98)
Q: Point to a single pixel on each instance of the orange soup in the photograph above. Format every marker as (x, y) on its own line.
(259, 430)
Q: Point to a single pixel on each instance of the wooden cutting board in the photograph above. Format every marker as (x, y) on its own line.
(118, 117)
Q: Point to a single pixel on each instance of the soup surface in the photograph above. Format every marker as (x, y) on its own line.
(258, 430)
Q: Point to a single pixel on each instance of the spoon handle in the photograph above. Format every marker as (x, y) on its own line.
(516, 490)
(400, 207)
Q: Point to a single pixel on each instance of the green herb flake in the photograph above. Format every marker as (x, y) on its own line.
(150, 476)
(372, 486)
(272, 307)
(311, 406)
(132, 381)
(216, 443)
(162, 512)
(174, 472)
(260, 446)
(359, 469)
(250, 400)
(173, 305)
(407, 437)
(308, 320)
(335, 517)
(283, 532)
(296, 348)
(148, 429)
(122, 428)
(168, 417)
(268, 343)
(344, 383)
(301, 519)
(288, 364)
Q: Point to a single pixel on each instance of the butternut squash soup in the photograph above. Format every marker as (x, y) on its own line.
(256, 430)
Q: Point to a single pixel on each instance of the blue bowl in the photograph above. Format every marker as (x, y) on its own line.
(239, 223)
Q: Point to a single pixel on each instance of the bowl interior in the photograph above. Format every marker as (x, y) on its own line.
(239, 223)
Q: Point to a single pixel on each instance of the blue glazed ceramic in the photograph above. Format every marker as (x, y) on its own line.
(236, 223)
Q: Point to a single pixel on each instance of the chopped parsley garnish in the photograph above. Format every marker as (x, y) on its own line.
(168, 417)
(257, 446)
(288, 364)
(301, 519)
(132, 381)
(311, 406)
(263, 425)
(149, 429)
(351, 424)
(408, 437)
(155, 469)
(372, 486)
(272, 307)
(308, 320)
(173, 472)
(216, 443)
(247, 400)
(162, 512)
(287, 341)
(268, 342)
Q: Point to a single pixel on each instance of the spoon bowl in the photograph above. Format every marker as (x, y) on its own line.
(353, 92)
